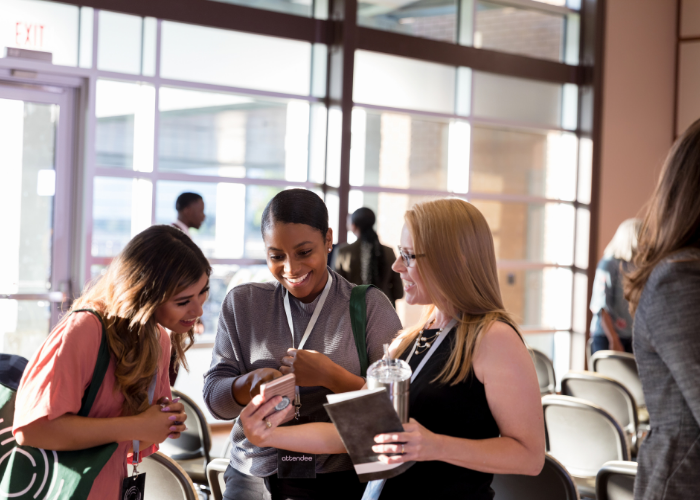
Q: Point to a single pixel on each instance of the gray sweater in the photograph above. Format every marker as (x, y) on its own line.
(667, 349)
(253, 333)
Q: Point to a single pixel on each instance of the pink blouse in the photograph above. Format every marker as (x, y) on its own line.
(57, 376)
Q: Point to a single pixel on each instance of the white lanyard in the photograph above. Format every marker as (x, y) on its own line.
(309, 328)
(314, 316)
(433, 347)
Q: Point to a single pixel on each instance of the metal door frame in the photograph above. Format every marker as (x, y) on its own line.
(66, 93)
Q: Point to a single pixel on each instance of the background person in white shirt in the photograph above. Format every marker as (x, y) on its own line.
(190, 212)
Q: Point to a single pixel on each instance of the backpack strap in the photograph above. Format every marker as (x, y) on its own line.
(358, 320)
(101, 366)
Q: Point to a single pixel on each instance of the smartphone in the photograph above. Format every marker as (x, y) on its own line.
(283, 386)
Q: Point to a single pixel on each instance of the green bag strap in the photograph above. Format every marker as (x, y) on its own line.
(358, 320)
(101, 366)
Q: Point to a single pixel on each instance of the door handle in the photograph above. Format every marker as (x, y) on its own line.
(49, 296)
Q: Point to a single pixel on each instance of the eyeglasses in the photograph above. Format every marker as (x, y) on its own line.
(408, 257)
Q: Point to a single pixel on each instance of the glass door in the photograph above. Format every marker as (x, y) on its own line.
(35, 174)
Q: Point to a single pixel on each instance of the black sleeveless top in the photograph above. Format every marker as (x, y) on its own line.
(459, 410)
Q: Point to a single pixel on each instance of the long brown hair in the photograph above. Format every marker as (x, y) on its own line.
(458, 267)
(153, 267)
(672, 217)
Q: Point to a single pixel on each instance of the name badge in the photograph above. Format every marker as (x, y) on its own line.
(134, 487)
(293, 465)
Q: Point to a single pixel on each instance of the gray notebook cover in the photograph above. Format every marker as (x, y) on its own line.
(358, 420)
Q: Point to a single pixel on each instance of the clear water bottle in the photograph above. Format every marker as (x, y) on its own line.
(395, 376)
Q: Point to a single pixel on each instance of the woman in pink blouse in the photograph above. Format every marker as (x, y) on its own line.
(160, 280)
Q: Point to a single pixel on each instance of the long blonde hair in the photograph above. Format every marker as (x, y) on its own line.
(672, 220)
(153, 267)
(624, 243)
(458, 267)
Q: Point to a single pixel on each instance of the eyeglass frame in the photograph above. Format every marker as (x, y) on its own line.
(408, 257)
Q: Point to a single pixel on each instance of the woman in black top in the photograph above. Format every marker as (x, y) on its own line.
(475, 407)
(367, 261)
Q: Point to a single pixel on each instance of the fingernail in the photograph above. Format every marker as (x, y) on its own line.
(173, 428)
(172, 436)
(375, 449)
(167, 408)
(175, 400)
(173, 417)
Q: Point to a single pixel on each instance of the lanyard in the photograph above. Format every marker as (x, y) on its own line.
(314, 316)
(151, 392)
(432, 349)
(309, 328)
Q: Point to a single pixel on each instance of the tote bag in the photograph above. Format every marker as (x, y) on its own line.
(32, 473)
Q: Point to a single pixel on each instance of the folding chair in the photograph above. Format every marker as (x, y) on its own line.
(192, 448)
(545, 371)
(582, 436)
(610, 395)
(615, 481)
(166, 479)
(553, 483)
(215, 475)
(622, 366)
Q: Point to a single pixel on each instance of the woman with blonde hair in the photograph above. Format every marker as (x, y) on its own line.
(664, 290)
(160, 280)
(475, 407)
(611, 327)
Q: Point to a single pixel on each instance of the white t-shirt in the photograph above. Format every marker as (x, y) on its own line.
(182, 227)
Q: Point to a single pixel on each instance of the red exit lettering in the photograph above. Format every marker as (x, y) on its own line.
(29, 35)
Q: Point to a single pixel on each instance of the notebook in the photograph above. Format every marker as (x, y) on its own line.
(359, 416)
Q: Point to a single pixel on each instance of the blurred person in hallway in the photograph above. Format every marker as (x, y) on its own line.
(664, 292)
(611, 327)
(190, 212)
(367, 261)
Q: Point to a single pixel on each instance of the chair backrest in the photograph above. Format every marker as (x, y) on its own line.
(215, 476)
(620, 366)
(582, 435)
(166, 479)
(605, 392)
(195, 442)
(615, 481)
(545, 371)
(553, 483)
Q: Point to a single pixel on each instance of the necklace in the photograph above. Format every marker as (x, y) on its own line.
(424, 342)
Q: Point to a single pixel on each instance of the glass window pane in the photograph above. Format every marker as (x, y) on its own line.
(436, 19)
(403, 151)
(121, 209)
(24, 326)
(517, 99)
(399, 82)
(298, 7)
(150, 33)
(87, 16)
(533, 232)
(125, 125)
(523, 162)
(528, 32)
(46, 26)
(585, 170)
(583, 231)
(538, 298)
(580, 302)
(231, 229)
(389, 209)
(119, 43)
(208, 55)
(27, 141)
(231, 135)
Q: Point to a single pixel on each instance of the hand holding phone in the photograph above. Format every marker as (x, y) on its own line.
(283, 386)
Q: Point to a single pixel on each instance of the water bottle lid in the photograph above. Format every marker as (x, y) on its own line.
(389, 370)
